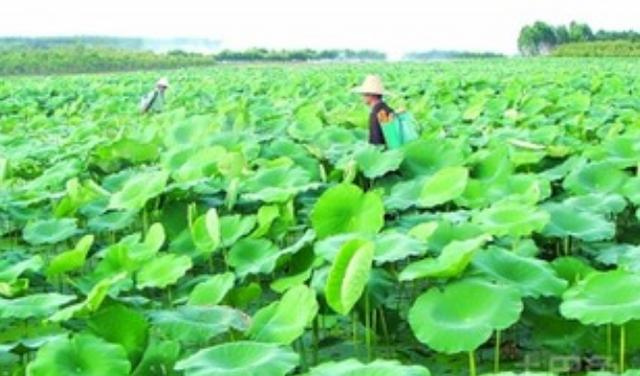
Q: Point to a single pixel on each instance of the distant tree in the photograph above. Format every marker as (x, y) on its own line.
(580, 32)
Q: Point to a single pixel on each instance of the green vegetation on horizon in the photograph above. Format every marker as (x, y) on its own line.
(250, 229)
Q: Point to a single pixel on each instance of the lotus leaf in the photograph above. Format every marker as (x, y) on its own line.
(603, 298)
(348, 275)
(380, 367)
(450, 263)
(345, 208)
(532, 276)
(138, 190)
(163, 271)
(439, 320)
(213, 290)
(285, 320)
(33, 306)
(511, 219)
(50, 231)
(243, 358)
(566, 221)
(445, 185)
(197, 325)
(82, 354)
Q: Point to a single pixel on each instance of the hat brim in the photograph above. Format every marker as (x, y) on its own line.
(364, 91)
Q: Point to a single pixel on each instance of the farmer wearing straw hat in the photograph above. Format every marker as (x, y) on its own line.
(154, 101)
(372, 91)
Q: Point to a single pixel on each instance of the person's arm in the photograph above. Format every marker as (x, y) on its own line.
(375, 131)
(147, 101)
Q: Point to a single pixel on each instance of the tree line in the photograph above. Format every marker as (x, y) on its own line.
(542, 38)
(92, 59)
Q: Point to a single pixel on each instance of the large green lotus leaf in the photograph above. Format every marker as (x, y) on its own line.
(440, 320)
(595, 177)
(445, 185)
(492, 164)
(93, 301)
(600, 203)
(451, 262)
(426, 157)
(50, 231)
(111, 221)
(234, 227)
(349, 275)
(533, 277)
(267, 214)
(285, 320)
(405, 194)
(603, 298)
(374, 162)
(567, 221)
(513, 219)
(33, 306)
(622, 151)
(159, 354)
(82, 354)
(9, 272)
(346, 208)
(212, 290)
(379, 367)
(277, 184)
(243, 358)
(196, 325)
(163, 271)
(122, 325)
(394, 246)
(205, 232)
(70, 260)
(572, 269)
(253, 256)
(189, 164)
(308, 122)
(138, 190)
(523, 188)
(450, 230)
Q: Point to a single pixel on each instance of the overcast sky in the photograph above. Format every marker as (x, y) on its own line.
(395, 26)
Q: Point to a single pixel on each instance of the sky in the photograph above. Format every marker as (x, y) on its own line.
(394, 26)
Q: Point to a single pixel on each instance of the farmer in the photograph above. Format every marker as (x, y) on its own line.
(154, 101)
(372, 91)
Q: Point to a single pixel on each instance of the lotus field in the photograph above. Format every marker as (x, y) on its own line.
(250, 230)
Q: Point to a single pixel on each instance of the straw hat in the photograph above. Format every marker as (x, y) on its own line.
(163, 82)
(372, 85)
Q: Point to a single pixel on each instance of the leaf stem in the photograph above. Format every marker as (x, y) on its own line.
(496, 353)
(622, 348)
(472, 363)
(367, 324)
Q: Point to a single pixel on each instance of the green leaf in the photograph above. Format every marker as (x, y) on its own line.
(348, 275)
(283, 321)
(375, 163)
(345, 208)
(196, 325)
(266, 215)
(243, 358)
(206, 233)
(603, 298)
(234, 227)
(567, 221)
(82, 354)
(445, 321)
(71, 260)
(33, 306)
(159, 354)
(9, 272)
(507, 218)
(124, 326)
(533, 277)
(139, 189)
(445, 185)
(379, 367)
(253, 256)
(451, 262)
(50, 231)
(595, 177)
(163, 271)
(212, 290)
